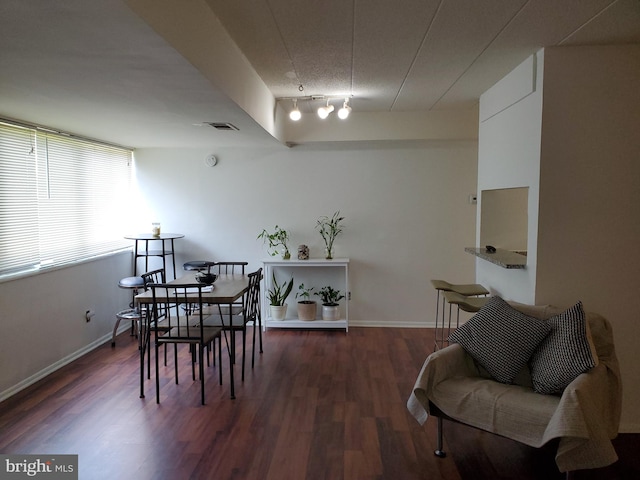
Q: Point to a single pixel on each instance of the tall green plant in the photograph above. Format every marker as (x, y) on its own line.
(329, 229)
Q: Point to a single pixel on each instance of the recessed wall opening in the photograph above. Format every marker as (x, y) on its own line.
(504, 218)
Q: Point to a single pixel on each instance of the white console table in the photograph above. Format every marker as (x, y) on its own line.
(316, 273)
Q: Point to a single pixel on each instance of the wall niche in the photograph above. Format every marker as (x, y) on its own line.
(504, 218)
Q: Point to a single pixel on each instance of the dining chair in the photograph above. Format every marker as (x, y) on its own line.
(254, 315)
(250, 313)
(182, 327)
(148, 278)
(226, 268)
(231, 268)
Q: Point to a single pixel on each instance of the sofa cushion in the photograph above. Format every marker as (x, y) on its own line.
(564, 354)
(512, 411)
(501, 339)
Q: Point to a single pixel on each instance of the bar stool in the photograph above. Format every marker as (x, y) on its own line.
(199, 265)
(464, 303)
(131, 313)
(466, 289)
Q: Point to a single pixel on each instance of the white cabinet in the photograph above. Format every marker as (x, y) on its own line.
(316, 273)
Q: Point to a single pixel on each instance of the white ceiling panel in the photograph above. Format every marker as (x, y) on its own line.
(538, 24)
(459, 34)
(617, 23)
(98, 69)
(387, 40)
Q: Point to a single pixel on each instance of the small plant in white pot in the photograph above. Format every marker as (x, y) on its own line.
(330, 306)
(277, 294)
(279, 238)
(306, 307)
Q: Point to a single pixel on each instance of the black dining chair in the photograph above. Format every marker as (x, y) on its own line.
(182, 327)
(250, 313)
(153, 277)
(226, 268)
(231, 268)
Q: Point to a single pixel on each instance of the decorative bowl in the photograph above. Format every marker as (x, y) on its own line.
(206, 278)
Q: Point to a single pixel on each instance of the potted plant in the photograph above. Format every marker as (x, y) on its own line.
(330, 306)
(329, 229)
(306, 308)
(277, 294)
(279, 237)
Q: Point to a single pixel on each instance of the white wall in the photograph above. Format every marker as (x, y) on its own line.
(406, 206)
(407, 220)
(589, 229)
(43, 318)
(574, 142)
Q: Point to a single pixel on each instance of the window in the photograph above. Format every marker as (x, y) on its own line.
(62, 199)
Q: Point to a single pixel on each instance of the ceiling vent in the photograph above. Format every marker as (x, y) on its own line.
(223, 126)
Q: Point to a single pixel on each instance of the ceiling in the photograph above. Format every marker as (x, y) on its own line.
(100, 70)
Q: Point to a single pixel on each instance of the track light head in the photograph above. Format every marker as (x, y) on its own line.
(295, 114)
(345, 110)
(323, 112)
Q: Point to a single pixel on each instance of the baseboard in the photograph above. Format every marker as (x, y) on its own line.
(59, 364)
(629, 428)
(387, 324)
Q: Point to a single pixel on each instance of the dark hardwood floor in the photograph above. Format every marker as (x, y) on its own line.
(318, 405)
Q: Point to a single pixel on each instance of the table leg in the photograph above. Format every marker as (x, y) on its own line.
(173, 258)
(146, 258)
(232, 359)
(164, 261)
(144, 344)
(135, 258)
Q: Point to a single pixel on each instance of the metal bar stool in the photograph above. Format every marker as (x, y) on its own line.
(131, 313)
(199, 265)
(466, 289)
(464, 303)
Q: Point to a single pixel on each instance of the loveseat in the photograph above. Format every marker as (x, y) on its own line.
(584, 415)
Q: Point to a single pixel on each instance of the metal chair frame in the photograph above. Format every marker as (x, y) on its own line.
(182, 328)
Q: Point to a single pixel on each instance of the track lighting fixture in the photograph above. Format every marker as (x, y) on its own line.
(324, 111)
(345, 110)
(295, 114)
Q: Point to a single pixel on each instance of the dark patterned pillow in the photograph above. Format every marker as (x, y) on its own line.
(564, 354)
(500, 338)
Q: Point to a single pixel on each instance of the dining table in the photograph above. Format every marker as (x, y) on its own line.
(226, 290)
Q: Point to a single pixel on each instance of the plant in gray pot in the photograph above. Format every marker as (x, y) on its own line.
(277, 294)
(307, 308)
(330, 305)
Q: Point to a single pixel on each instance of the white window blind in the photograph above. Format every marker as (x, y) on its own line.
(62, 199)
